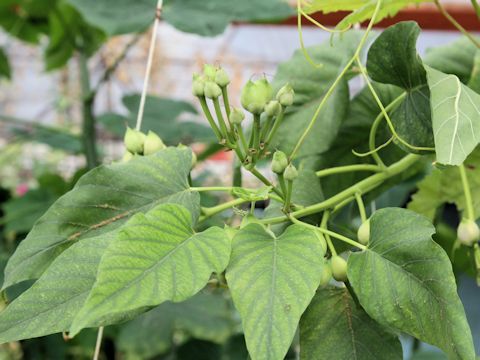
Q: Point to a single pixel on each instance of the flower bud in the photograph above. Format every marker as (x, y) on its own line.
(237, 116)
(363, 233)
(468, 232)
(153, 143)
(339, 268)
(209, 71)
(255, 95)
(290, 172)
(221, 78)
(198, 85)
(285, 95)
(279, 162)
(273, 108)
(134, 141)
(326, 275)
(127, 157)
(212, 90)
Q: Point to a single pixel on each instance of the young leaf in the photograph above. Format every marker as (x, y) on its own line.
(443, 186)
(404, 280)
(361, 10)
(310, 85)
(390, 63)
(272, 280)
(102, 200)
(156, 257)
(334, 327)
(455, 117)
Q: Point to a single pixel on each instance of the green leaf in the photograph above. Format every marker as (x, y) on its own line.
(361, 10)
(207, 18)
(56, 138)
(5, 70)
(334, 327)
(455, 117)
(50, 305)
(474, 82)
(455, 58)
(101, 201)
(162, 116)
(205, 316)
(156, 257)
(272, 280)
(310, 85)
(401, 66)
(443, 186)
(404, 281)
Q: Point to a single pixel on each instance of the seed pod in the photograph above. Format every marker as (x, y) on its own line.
(363, 233)
(326, 275)
(212, 90)
(255, 95)
(134, 141)
(237, 116)
(221, 78)
(339, 268)
(153, 143)
(273, 108)
(285, 95)
(279, 162)
(209, 71)
(198, 85)
(290, 172)
(468, 232)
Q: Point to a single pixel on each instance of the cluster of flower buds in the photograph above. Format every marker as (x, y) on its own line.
(137, 142)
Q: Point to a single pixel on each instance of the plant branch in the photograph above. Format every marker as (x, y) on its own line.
(324, 225)
(348, 168)
(211, 211)
(468, 194)
(363, 186)
(361, 207)
(98, 344)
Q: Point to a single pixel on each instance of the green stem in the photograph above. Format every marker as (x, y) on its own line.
(211, 121)
(271, 134)
(330, 233)
(256, 133)
(221, 120)
(348, 168)
(266, 127)
(374, 128)
(468, 194)
(288, 196)
(337, 81)
(456, 24)
(226, 102)
(361, 207)
(363, 186)
(241, 135)
(209, 212)
(281, 181)
(476, 6)
(88, 126)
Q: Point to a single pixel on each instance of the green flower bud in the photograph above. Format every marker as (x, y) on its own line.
(134, 141)
(279, 162)
(363, 233)
(198, 85)
(273, 108)
(468, 232)
(285, 95)
(326, 275)
(339, 268)
(153, 143)
(127, 157)
(237, 116)
(209, 71)
(290, 172)
(221, 78)
(212, 90)
(255, 95)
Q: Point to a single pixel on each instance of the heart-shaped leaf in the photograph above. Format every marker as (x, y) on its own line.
(389, 63)
(272, 280)
(156, 257)
(404, 280)
(334, 327)
(455, 117)
(101, 201)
